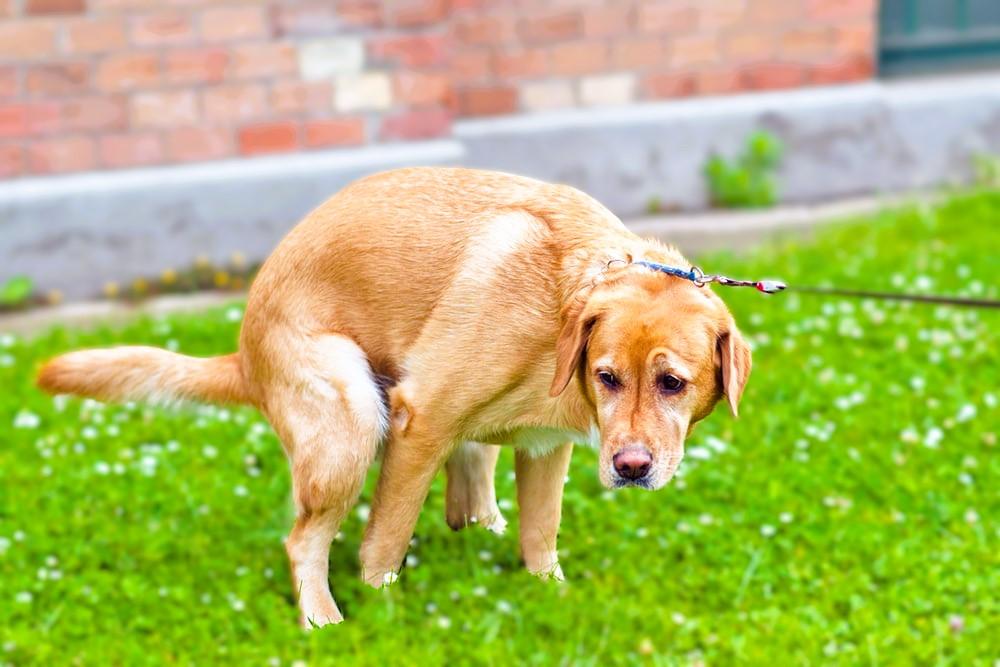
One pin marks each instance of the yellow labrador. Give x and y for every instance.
(424, 310)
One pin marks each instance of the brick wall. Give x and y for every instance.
(112, 84)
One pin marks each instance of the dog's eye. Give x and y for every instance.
(609, 380)
(669, 384)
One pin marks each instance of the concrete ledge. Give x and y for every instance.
(842, 141)
(694, 234)
(75, 233)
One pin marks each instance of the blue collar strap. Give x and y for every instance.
(699, 278)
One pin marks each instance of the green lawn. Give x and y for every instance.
(848, 517)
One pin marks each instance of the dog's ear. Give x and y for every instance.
(578, 322)
(734, 353)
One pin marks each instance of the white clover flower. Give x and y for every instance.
(767, 530)
(241, 491)
(990, 400)
(24, 597)
(4, 544)
(209, 452)
(699, 453)
(786, 517)
(971, 516)
(485, 555)
(956, 623)
(706, 519)
(444, 622)
(505, 504)
(88, 433)
(683, 527)
(234, 314)
(966, 413)
(909, 435)
(917, 383)
(363, 511)
(237, 604)
(19, 536)
(27, 420)
(479, 591)
(933, 438)
(504, 607)
(412, 561)
(965, 479)
(678, 618)
(118, 468)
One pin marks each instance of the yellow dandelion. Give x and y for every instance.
(111, 289)
(221, 278)
(168, 277)
(140, 286)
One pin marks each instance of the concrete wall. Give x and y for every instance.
(75, 232)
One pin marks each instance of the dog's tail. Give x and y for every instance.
(145, 373)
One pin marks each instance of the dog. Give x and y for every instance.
(429, 315)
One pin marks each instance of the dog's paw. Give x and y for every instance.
(490, 518)
(546, 568)
(318, 614)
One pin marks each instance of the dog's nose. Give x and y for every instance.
(633, 462)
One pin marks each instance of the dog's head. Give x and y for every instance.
(653, 354)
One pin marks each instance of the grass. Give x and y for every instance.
(848, 517)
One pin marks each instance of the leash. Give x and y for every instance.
(700, 278)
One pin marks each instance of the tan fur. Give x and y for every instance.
(422, 308)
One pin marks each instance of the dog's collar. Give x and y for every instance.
(699, 278)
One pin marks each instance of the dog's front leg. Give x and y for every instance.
(471, 494)
(409, 464)
(540, 482)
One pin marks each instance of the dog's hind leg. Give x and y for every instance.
(471, 495)
(329, 414)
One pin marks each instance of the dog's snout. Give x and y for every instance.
(633, 462)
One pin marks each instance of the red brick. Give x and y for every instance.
(410, 50)
(582, 57)
(416, 124)
(57, 79)
(198, 65)
(334, 132)
(752, 46)
(607, 21)
(550, 27)
(21, 40)
(516, 63)
(301, 97)
(639, 52)
(773, 13)
(128, 71)
(130, 150)
(223, 105)
(11, 161)
(694, 50)
(8, 82)
(412, 13)
(37, 7)
(827, 10)
(718, 81)
(664, 17)
(161, 28)
(422, 89)
(855, 39)
(62, 154)
(487, 100)
(252, 61)
(163, 108)
(105, 112)
(95, 35)
(306, 19)
(772, 76)
(484, 29)
(227, 24)
(280, 137)
(471, 65)
(842, 70)
(195, 144)
(715, 15)
(22, 120)
(664, 85)
(360, 13)
(806, 43)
